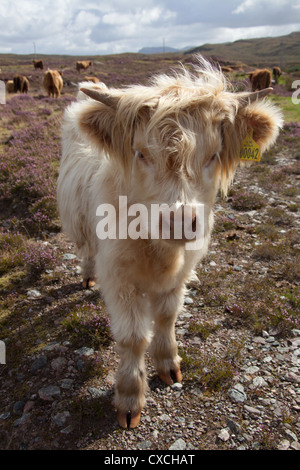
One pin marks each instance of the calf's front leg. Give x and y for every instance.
(88, 272)
(131, 383)
(131, 328)
(164, 348)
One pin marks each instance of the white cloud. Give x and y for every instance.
(140, 16)
(260, 6)
(244, 6)
(251, 32)
(84, 20)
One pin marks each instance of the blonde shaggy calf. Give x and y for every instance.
(174, 141)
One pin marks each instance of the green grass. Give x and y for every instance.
(291, 111)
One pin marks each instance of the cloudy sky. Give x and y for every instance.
(113, 26)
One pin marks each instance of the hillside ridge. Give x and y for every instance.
(284, 50)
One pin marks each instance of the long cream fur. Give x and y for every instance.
(176, 140)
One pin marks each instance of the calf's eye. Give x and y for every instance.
(215, 157)
(139, 155)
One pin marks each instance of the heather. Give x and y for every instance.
(20, 254)
(88, 323)
(29, 162)
(244, 200)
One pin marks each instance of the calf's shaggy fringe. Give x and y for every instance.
(175, 141)
(201, 94)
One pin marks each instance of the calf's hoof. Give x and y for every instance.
(172, 377)
(128, 420)
(89, 282)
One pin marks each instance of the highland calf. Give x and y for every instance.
(174, 143)
(260, 79)
(53, 83)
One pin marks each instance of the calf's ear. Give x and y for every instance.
(259, 116)
(252, 113)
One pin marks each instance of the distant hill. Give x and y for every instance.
(162, 50)
(156, 50)
(281, 50)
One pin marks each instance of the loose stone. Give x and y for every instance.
(178, 445)
(49, 393)
(237, 393)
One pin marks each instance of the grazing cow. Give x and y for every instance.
(171, 144)
(276, 73)
(53, 83)
(260, 79)
(38, 64)
(92, 79)
(226, 69)
(21, 84)
(10, 87)
(83, 65)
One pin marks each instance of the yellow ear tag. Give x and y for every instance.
(250, 149)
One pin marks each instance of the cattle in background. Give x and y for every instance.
(83, 65)
(260, 79)
(21, 84)
(92, 79)
(53, 83)
(173, 143)
(38, 64)
(276, 73)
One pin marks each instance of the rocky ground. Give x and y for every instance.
(60, 397)
(238, 334)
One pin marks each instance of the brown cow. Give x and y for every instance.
(92, 79)
(83, 65)
(53, 83)
(260, 79)
(38, 64)
(21, 84)
(276, 73)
